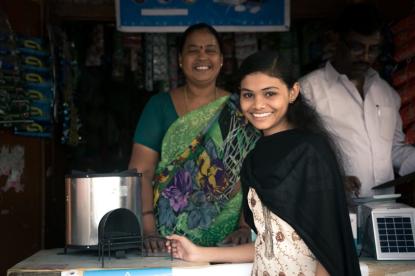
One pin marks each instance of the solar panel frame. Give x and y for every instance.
(394, 233)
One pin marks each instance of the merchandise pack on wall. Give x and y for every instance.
(26, 90)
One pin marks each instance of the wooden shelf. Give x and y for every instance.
(304, 9)
(82, 12)
(300, 9)
(308, 9)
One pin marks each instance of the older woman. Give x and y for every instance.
(189, 144)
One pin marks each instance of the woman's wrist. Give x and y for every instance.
(148, 212)
(151, 233)
(149, 226)
(204, 254)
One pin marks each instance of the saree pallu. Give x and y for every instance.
(196, 185)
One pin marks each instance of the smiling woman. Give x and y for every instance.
(292, 184)
(200, 60)
(265, 100)
(189, 144)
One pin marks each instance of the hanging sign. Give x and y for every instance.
(224, 15)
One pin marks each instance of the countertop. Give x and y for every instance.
(54, 262)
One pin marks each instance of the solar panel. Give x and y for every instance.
(394, 233)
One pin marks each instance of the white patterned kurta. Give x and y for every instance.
(279, 250)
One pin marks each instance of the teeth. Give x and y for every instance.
(202, 67)
(261, 115)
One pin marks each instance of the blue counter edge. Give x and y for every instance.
(130, 272)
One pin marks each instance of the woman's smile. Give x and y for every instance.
(202, 68)
(261, 115)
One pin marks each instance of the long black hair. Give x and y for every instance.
(300, 113)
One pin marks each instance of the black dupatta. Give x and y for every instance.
(296, 175)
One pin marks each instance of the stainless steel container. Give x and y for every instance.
(90, 196)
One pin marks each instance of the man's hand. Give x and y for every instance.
(352, 185)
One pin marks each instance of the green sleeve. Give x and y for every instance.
(156, 118)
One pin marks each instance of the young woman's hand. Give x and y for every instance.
(182, 248)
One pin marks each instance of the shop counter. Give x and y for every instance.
(54, 262)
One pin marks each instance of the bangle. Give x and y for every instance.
(147, 213)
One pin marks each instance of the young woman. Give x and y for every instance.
(292, 182)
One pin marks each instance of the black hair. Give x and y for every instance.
(300, 113)
(196, 27)
(362, 18)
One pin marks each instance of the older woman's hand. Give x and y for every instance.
(154, 243)
(240, 236)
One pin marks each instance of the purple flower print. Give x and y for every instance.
(179, 191)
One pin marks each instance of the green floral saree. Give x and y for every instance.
(196, 187)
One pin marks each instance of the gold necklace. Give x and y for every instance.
(186, 101)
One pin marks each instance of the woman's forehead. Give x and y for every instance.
(261, 79)
(201, 37)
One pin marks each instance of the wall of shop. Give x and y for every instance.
(100, 83)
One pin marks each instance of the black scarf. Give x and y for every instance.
(295, 174)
